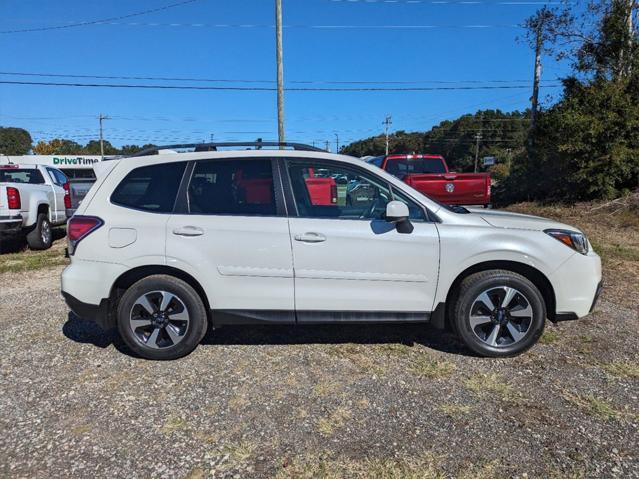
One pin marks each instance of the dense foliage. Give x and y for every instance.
(586, 146)
(14, 141)
(59, 146)
(502, 136)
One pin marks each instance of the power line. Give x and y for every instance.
(101, 21)
(294, 26)
(256, 89)
(228, 80)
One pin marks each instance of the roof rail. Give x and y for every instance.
(214, 146)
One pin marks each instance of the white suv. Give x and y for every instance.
(167, 245)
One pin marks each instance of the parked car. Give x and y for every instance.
(166, 246)
(429, 174)
(33, 199)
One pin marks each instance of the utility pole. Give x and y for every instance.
(336, 143)
(478, 137)
(327, 145)
(537, 73)
(280, 71)
(101, 118)
(388, 121)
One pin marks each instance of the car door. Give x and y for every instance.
(232, 235)
(350, 264)
(58, 213)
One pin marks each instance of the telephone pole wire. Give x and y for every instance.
(388, 121)
(101, 118)
(280, 71)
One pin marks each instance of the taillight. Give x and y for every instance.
(13, 198)
(334, 193)
(79, 227)
(67, 195)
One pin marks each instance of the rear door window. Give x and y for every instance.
(150, 188)
(232, 187)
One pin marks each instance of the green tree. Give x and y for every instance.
(14, 141)
(93, 148)
(57, 146)
(586, 146)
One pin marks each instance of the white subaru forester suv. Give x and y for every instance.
(166, 245)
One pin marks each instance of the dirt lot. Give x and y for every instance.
(373, 401)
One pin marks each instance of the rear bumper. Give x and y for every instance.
(10, 224)
(100, 314)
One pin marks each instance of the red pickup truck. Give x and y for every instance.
(429, 175)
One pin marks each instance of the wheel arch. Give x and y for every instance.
(538, 278)
(127, 279)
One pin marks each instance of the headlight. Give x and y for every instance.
(574, 240)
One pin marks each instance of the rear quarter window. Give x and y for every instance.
(150, 188)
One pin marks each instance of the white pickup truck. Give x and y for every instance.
(33, 199)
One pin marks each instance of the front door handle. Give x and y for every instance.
(188, 231)
(310, 237)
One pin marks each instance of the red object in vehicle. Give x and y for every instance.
(322, 190)
(13, 198)
(67, 195)
(429, 175)
(79, 227)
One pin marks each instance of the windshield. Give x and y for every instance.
(406, 166)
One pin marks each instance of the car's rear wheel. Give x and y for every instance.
(41, 236)
(499, 313)
(161, 317)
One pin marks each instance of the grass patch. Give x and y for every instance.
(490, 384)
(173, 424)
(31, 260)
(430, 368)
(550, 336)
(327, 425)
(594, 406)
(454, 410)
(240, 453)
(615, 251)
(328, 468)
(622, 369)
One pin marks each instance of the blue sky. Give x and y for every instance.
(465, 41)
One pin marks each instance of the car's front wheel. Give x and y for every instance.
(161, 317)
(498, 313)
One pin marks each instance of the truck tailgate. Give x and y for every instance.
(453, 188)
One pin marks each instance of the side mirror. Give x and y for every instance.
(397, 212)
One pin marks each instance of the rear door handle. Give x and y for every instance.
(188, 231)
(310, 237)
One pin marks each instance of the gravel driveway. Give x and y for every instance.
(326, 401)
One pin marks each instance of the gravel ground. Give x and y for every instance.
(332, 401)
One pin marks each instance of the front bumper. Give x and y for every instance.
(100, 314)
(577, 284)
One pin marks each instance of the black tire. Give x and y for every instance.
(189, 300)
(494, 282)
(41, 236)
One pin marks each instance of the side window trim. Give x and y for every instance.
(292, 204)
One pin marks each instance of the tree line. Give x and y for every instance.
(18, 141)
(583, 147)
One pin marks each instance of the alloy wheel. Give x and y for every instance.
(501, 316)
(159, 319)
